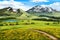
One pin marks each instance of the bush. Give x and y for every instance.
(54, 23)
(11, 24)
(17, 23)
(6, 24)
(32, 23)
(1, 25)
(47, 23)
(26, 23)
(22, 21)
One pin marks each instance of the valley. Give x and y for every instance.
(34, 24)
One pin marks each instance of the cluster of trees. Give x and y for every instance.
(51, 18)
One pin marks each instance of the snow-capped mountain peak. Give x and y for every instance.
(40, 9)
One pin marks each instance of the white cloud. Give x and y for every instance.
(55, 5)
(39, 1)
(14, 4)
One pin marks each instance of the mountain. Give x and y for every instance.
(40, 10)
(26, 15)
(6, 11)
(44, 13)
(16, 13)
(37, 12)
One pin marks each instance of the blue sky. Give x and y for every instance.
(27, 4)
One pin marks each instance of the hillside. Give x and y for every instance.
(44, 12)
(37, 12)
(18, 13)
(26, 15)
(40, 10)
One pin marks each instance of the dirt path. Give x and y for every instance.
(48, 35)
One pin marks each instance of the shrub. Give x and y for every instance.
(54, 23)
(26, 23)
(1, 25)
(11, 24)
(17, 23)
(32, 23)
(47, 23)
(6, 24)
(22, 21)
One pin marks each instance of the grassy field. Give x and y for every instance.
(21, 30)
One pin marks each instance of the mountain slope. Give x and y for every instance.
(26, 15)
(18, 13)
(40, 10)
(44, 13)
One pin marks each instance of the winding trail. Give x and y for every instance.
(48, 35)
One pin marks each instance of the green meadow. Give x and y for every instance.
(21, 30)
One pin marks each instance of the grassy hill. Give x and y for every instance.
(25, 15)
(10, 13)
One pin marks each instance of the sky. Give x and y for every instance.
(27, 4)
